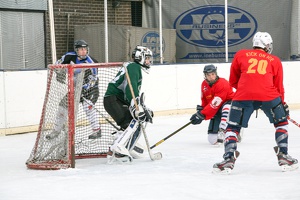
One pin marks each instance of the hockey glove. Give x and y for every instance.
(148, 112)
(199, 108)
(286, 108)
(92, 79)
(143, 114)
(197, 118)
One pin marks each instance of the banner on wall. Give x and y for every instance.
(200, 26)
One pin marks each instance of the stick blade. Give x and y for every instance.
(156, 156)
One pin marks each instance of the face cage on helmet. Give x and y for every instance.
(150, 58)
(211, 82)
(87, 52)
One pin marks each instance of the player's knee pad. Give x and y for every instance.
(212, 138)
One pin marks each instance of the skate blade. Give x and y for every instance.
(225, 171)
(286, 168)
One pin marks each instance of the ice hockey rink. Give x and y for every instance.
(185, 171)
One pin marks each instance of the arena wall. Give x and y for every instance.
(169, 89)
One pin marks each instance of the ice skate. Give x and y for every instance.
(97, 134)
(286, 162)
(227, 165)
(116, 158)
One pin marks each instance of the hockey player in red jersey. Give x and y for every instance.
(257, 76)
(216, 95)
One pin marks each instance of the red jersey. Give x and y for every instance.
(256, 75)
(213, 97)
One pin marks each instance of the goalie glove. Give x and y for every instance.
(91, 82)
(143, 114)
(148, 112)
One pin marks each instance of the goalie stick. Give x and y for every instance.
(155, 156)
(161, 141)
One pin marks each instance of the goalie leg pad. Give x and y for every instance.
(138, 151)
(123, 139)
(134, 138)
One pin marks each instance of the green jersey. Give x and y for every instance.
(119, 85)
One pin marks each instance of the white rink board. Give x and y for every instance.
(23, 97)
(167, 87)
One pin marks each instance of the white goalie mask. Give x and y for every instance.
(264, 41)
(143, 56)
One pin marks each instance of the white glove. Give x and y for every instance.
(143, 114)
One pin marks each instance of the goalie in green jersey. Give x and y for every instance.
(119, 104)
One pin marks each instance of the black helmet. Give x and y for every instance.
(209, 69)
(81, 43)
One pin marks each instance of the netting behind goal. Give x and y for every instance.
(65, 125)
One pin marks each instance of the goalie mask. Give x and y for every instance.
(81, 44)
(143, 56)
(263, 40)
(208, 71)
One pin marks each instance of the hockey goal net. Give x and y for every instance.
(65, 117)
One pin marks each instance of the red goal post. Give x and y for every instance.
(67, 118)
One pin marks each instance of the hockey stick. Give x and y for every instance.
(293, 121)
(155, 156)
(101, 114)
(161, 141)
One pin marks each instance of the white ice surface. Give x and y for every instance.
(185, 172)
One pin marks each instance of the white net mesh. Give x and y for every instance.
(56, 146)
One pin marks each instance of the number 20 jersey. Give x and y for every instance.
(256, 75)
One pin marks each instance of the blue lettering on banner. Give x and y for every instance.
(209, 55)
(151, 40)
(204, 26)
